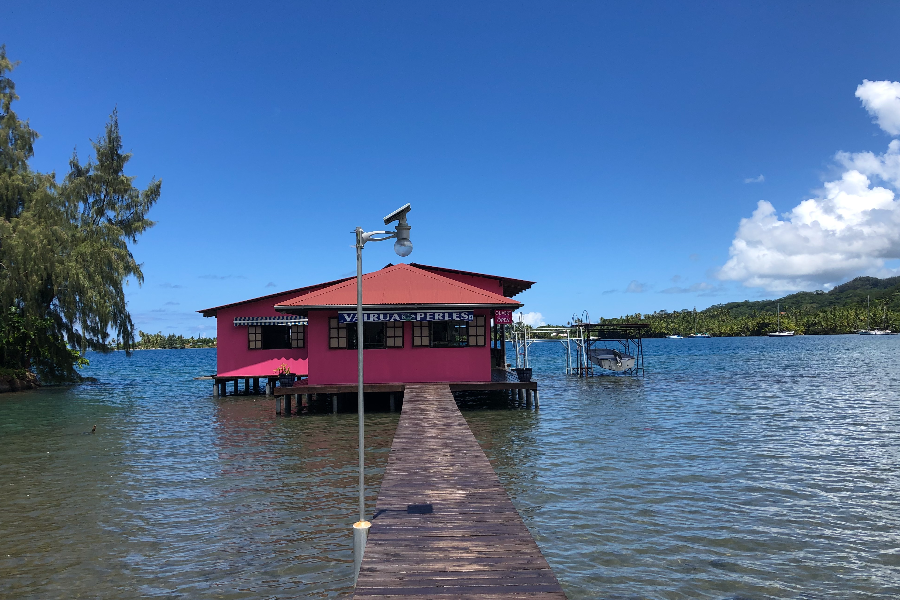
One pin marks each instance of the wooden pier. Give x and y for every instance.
(443, 524)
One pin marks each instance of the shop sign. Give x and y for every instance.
(503, 317)
(380, 317)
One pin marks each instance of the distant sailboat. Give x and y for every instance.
(780, 333)
(696, 334)
(875, 331)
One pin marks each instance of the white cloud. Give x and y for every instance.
(532, 319)
(850, 227)
(693, 288)
(882, 100)
(636, 287)
(757, 179)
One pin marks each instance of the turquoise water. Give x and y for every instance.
(737, 468)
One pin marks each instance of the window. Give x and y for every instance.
(270, 337)
(394, 334)
(421, 333)
(449, 334)
(343, 335)
(476, 332)
(337, 334)
(298, 336)
(254, 337)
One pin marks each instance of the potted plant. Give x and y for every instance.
(285, 377)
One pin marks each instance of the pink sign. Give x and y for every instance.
(503, 317)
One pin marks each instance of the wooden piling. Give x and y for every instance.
(537, 402)
(393, 406)
(527, 398)
(288, 399)
(256, 385)
(334, 404)
(215, 389)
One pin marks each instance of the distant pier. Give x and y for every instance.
(443, 524)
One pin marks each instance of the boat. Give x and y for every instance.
(780, 333)
(674, 337)
(696, 334)
(613, 360)
(875, 331)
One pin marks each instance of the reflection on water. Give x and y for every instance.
(736, 468)
(753, 468)
(177, 494)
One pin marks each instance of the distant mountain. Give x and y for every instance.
(847, 294)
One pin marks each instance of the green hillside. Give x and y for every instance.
(840, 310)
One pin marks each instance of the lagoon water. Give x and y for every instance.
(737, 468)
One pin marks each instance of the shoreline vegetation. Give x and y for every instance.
(863, 303)
(159, 341)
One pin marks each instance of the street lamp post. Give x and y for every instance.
(402, 247)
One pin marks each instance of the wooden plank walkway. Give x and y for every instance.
(444, 526)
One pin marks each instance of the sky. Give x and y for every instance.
(627, 157)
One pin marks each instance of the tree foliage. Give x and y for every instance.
(64, 247)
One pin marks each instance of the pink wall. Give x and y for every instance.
(233, 356)
(393, 365)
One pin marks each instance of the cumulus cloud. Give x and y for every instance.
(882, 100)
(757, 179)
(532, 319)
(850, 227)
(636, 287)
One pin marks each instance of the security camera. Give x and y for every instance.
(397, 215)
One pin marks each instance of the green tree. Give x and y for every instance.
(64, 248)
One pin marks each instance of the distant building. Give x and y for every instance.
(421, 324)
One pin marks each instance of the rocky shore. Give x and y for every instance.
(18, 383)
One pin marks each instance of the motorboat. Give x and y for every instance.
(674, 337)
(876, 332)
(613, 360)
(699, 335)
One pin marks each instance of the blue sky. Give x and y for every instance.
(608, 151)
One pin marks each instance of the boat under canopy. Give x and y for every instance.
(613, 360)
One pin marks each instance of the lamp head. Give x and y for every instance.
(403, 247)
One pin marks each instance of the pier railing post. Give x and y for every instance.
(360, 534)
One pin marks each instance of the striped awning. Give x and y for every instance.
(282, 320)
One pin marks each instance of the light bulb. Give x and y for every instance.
(403, 247)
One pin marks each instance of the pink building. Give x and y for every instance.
(421, 324)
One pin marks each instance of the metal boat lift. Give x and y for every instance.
(579, 339)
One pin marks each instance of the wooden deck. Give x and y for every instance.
(456, 386)
(443, 524)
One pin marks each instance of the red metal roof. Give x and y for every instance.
(397, 286)
(510, 286)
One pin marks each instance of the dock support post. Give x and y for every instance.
(215, 389)
(537, 402)
(223, 389)
(393, 406)
(360, 533)
(334, 404)
(288, 398)
(528, 399)
(256, 385)
(521, 395)
(246, 385)
(269, 387)
(304, 403)
(237, 386)
(278, 404)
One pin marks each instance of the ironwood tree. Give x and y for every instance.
(65, 253)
